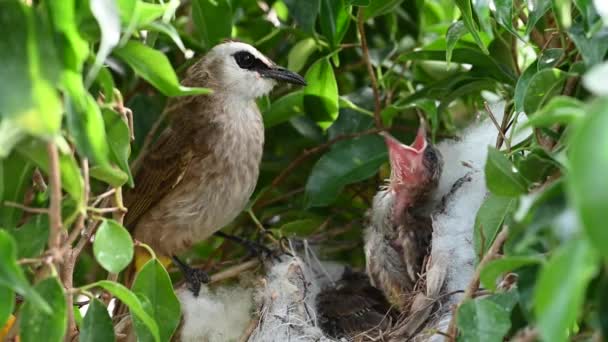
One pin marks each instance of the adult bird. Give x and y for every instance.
(203, 168)
(399, 234)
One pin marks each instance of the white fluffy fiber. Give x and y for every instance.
(218, 315)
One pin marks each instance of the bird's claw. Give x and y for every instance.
(194, 277)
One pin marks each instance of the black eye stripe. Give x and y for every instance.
(246, 60)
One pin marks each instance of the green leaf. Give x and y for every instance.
(37, 325)
(469, 22)
(321, 94)
(541, 7)
(335, 19)
(11, 275)
(347, 162)
(7, 304)
(592, 48)
(213, 20)
(155, 68)
(108, 18)
(522, 86)
(542, 86)
(119, 140)
(495, 268)
(300, 227)
(304, 13)
(73, 49)
(71, 180)
(587, 181)
(113, 247)
(486, 319)
(560, 109)
(31, 237)
(455, 32)
(487, 65)
(502, 177)
(26, 92)
(15, 178)
(549, 58)
(153, 285)
(563, 12)
(97, 324)
(504, 15)
(84, 120)
(558, 299)
(130, 300)
(482, 10)
(490, 218)
(284, 109)
(358, 2)
(299, 54)
(380, 7)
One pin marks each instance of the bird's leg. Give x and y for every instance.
(253, 248)
(194, 277)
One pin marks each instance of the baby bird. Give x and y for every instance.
(399, 233)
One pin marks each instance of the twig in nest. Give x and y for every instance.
(474, 284)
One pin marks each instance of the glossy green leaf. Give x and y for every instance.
(587, 183)
(544, 85)
(71, 180)
(154, 67)
(302, 227)
(482, 10)
(549, 58)
(559, 110)
(113, 247)
(335, 19)
(153, 285)
(130, 300)
(119, 140)
(111, 175)
(37, 325)
(495, 268)
(32, 236)
(563, 12)
(321, 94)
(347, 162)
(7, 303)
(558, 299)
(284, 109)
(73, 48)
(489, 220)
(502, 177)
(212, 20)
(469, 22)
(84, 120)
(486, 319)
(97, 324)
(522, 86)
(108, 17)
(15, 177)
(304, 13)
(299, 54)
(11, 275)
(380, 7)
(593, 48)
(26, 92)
(541, 7)
(455, 32)
(504, 15)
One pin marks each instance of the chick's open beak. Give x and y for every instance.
(406, 161)
(281, 74)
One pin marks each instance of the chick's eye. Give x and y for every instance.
(244, 59)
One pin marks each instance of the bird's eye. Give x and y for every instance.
(244, 59)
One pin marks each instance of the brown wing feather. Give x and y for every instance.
(161, 171)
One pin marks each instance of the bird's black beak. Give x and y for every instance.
(281, 74)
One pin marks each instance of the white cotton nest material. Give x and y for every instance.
(287, 300)
(217, 315)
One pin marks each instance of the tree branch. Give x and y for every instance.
(370, 69)
(55, 199)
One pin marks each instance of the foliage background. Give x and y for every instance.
(83, 89)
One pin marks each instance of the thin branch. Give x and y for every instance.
(26, 208)
(498, 127)
(234, 270)
(474, 283)
(55, 198)
(370, 69)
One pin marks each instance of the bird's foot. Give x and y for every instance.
(253, 248)
(194, 277)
